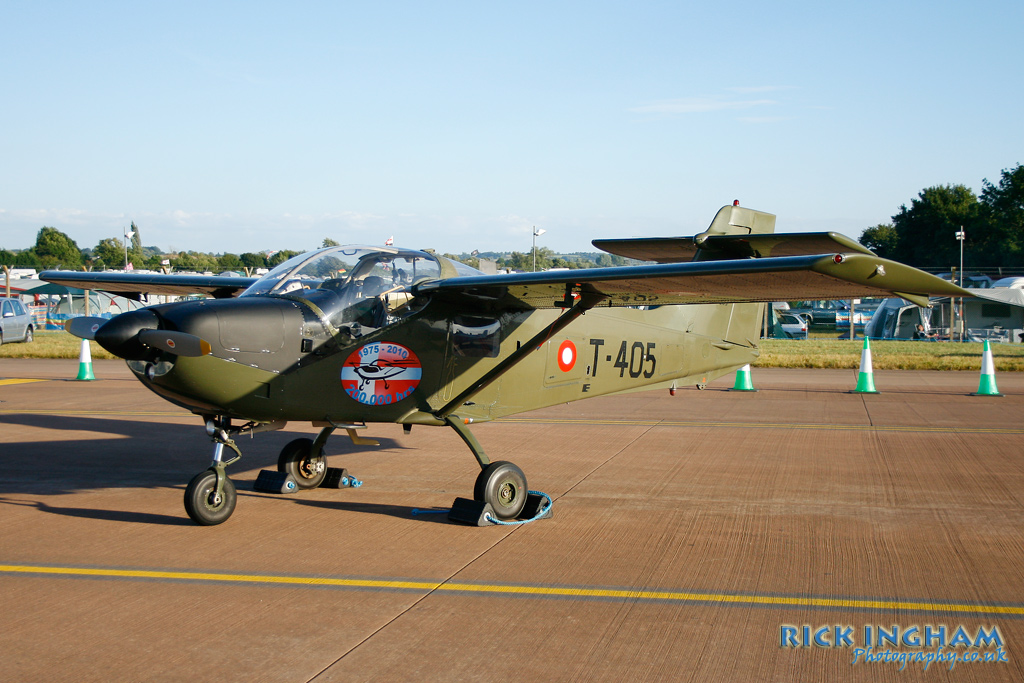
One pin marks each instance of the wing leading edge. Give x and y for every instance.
(783, 278)
(132, 285)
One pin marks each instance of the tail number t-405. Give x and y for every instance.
(636, 358)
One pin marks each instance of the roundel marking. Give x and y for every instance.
(381, 373)
(566, 356)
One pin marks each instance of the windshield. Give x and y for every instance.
(355, 287)
(336, 267)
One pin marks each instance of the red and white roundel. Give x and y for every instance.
(381, 373)
(566, 356)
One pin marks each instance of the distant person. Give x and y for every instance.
(920, 333)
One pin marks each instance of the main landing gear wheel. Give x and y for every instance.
(503, 485)
(297, 460)
(203, 504)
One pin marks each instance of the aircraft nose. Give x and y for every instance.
(120, 336)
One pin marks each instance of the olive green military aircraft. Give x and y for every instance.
(345, 336)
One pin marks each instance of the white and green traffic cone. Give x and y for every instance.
(85, 362)
(743, 382)
(987, 384)
(866, 378)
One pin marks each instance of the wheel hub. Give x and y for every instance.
(507, 493)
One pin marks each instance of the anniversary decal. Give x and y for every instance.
(380, 373)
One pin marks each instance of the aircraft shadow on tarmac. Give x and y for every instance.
(103, 515)
(138, 454)
(132, 454)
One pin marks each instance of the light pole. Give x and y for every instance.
(536, 233)
(960, 236)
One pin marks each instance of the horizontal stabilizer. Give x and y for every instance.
(720, 247)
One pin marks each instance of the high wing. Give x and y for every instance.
(133, 285)
(778, 278)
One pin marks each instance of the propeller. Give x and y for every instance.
(84, 327)
(178, 343)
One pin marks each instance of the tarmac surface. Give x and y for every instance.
(688, 533)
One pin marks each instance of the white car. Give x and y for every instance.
(15, 321)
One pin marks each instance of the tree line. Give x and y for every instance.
(55, 249)
(924, 233)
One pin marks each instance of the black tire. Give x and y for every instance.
(503, 485)
(199, 499)
(296, 459)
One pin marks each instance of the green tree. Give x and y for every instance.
(927, 227)
(54, 248)
(611, 261)
(251, 260)
(136, 255)
(6, 257)
(27, 259)
(881, 239)
(110, 252)
(328, 242)
(194, 261)
(280, 257)
(229, 262)
(1001, 242)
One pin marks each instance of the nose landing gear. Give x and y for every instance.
(210, 497)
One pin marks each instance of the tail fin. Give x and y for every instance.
(738, 220)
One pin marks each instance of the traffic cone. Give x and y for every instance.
(987, 383)
(85, 362)
(743, 382)
(866, 378)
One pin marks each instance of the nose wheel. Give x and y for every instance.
(207, 503)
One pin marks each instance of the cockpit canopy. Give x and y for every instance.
(367, 286)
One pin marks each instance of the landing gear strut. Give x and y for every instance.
(210, 497)
(500, 484)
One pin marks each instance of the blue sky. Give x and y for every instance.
(459, 126)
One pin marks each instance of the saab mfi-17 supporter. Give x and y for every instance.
(345, 336)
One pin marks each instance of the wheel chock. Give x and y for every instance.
(534, 505)
(339, 478)
(471, 512)
(269, 481)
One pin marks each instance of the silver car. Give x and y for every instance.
(793, 324)
(15, 321)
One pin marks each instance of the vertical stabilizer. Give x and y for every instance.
(737, 220)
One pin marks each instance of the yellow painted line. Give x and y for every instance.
(4, 382)
(568, 592)
(768, 425)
